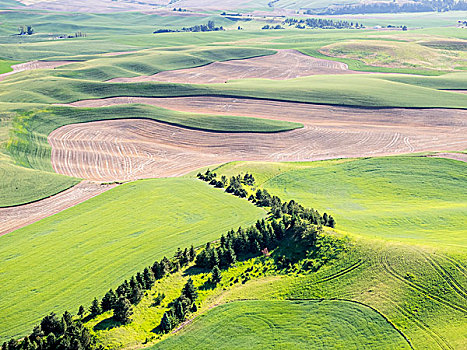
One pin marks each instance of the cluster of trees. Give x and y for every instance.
(267, 26)
(180, 308)
(180, 9)
(209, 27)
(388, 7)
(234, 185)
(262, 198)
(26, 30)
(55, 333)
(321, 23)
(241, 243)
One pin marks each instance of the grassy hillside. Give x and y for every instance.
(411, 199)
(5, 65)
(286, 324)
(351, 90)
(19, 185)
(66, 260)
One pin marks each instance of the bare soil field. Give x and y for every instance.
(13, 218)
(131, 149)
(35, 65)
(285, 64)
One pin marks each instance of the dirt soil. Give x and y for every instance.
(285, 64)
(132, 149)
(13, 218)
(34, 65)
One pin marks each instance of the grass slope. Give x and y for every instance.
(19, 185)
(66, 260)
(288, 325)
(5, 65)
(414, 199)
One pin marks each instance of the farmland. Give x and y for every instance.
(417, 199)
(288, 324)
(110, 125)
(105, 250)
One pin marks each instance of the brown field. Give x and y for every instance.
(132, 149)
(285, 64)
(34, 65)
(13, 218)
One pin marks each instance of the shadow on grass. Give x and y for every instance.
(106, 324)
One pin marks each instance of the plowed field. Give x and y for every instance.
(34, 65)
(131, 149)
(13, 218)
(286, 64)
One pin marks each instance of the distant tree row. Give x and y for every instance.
(26, 30)
(393, 7)
(267, 26)
(209, 27)
(321, 23)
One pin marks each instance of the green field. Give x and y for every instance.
(19, 185)
(5, 65)
(412, 199)
(288, 325)
(66, 260)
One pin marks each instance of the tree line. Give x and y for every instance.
(322, 23)
(209, 27)
(393, 7)
(288, 220)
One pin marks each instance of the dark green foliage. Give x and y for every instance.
(216, 275)
(158, 299)
(51, 324)
(109, 300)
(95, 308)
(122, 311)
(54, 334)
(189, 291)
(81, 311)
(166, 323)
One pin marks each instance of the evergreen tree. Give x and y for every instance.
(122, 311)
(192, 253)
(148, 278)
(81, 311)
(189, 291)
(137, 295)
(166, 323)
(67, 319)
(95, 308)
(216, 275)
(109, 300)
(50, 324)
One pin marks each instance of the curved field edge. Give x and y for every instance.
(365, 90)
(19, 185)
(405, 198)
(309, 324)
(59, 263)
(29, 147)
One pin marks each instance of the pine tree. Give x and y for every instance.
(166, 323)
(192, 253)
(148, 278)
(109, 300)
(189, 291)
(81, 311)
(216, 275)
(95, 308)
(137, 295)
(67, 319)
(122, 311)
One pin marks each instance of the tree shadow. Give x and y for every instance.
(106, 324)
